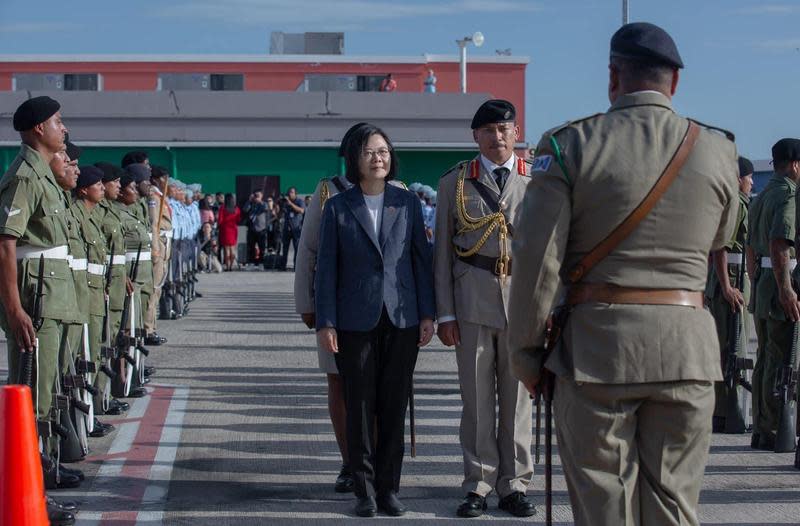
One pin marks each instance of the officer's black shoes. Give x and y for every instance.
(763, 441)
(344, 482)
(473, 505)
(797, 456)
(718, 424)
(65, 481)
(101, 429)
(366, 507)
(390, 504)
(149, 370)
(58, 516)
(198, 294)
(76, 472)
(517, 504)
(137, 392)
(64, 505)
(154, 339)
(117, 407)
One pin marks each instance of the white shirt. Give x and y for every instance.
(375, 208)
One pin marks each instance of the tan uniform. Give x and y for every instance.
(634, 394)
(161, 253)
(496, 448)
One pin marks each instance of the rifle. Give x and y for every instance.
(26, 371)
(122, 341)
(735, 366)
(107, 351)
(785, 392)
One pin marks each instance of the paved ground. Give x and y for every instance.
(235, 432)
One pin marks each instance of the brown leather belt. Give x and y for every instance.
(486, 263)
(605, 293)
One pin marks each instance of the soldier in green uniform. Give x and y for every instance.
(141, 210)
(723, 297)
(771, 258)
(89, 193)
(32, 225)
(638, 355)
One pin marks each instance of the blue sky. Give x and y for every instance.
(742, 56)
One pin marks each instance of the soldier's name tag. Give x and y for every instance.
(542, 163)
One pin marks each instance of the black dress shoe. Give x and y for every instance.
(366, 507)
(64, 505)
(137, 393)
(119, 403)
(59, 517)
(67, 481)
(517, 504)
(101, 429)
(391, 505)
(473, 505)
(766, 441)
(344, 482)
(154, 339)
(149, 370)
(78, 473)
(198, 294)
(718, 424)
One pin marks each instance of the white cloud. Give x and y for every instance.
(769, 9)
(327, 14)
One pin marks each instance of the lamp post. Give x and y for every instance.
(625, 12)
(477, 39)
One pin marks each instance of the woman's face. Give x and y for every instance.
(375, 160)
(93, 193)
(128, 194)
(112, 189)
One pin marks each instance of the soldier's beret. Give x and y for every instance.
(34, 111)
(494, 110)
(139, 171)
(745, 167)
(786, 150)
(645, 42)
(89, 175)
(126, 179)
(157, 172)
(110, 172)
(73, 150)
(347, 135)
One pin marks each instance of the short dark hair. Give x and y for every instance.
(355, 145)
(649, 74)
(157, 172)
(134, 157)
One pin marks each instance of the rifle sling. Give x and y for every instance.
(629, 224)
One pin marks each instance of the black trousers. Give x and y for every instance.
(293, 235)
(377, 367)
(256, 239)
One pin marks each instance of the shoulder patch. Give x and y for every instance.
(151, 203)
(542, 163)
(455, 167)
(729, 135)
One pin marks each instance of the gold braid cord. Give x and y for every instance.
(489, 222)
(324, 194)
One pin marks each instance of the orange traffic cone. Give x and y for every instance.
(22, 500)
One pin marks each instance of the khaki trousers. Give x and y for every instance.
(159, 271)
(634, 454)
(496, 448)
(775, 339)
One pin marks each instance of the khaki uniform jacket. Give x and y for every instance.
(77, 251)
(153, 208)
(109, 218)
(587, 177)
(469, 293)
(33, 210)
(96, 251)
(137, 234)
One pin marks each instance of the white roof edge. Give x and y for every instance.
(266, 59)
(267, 144)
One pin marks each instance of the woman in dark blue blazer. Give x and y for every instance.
(375, 308)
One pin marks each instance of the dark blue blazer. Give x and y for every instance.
(358, 273)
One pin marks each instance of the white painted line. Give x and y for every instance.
(161, 470)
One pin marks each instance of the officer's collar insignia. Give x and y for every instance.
(474, 169)
(522, 168)
(542, 163)
(11, 212)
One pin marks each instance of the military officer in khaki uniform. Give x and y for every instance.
(723, 298)
(160, 215)
(476, 215)
(32, 225)
(771, 256)
(638, 355)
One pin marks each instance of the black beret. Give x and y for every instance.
(34, 111)
(139, 171)
(73, 151)
(646, 42)
(110, 172)
(126, 179)
(156, 172)
(494, 110)
(786, 150)
(745, 167)
(89, 175)
(347, 135)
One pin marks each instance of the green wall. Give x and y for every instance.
(216, 168)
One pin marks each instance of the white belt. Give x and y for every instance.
(144, 256)
(31, 252)
(150, 235)
(734, 258)
(167, 233)
(97, 270)
(116, 260)
(78, 264)
(767, 263)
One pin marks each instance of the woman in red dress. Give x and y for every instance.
(228, 225)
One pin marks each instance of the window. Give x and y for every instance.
(227, 82)
(333, 82)
(57, 82)
(81, 82)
